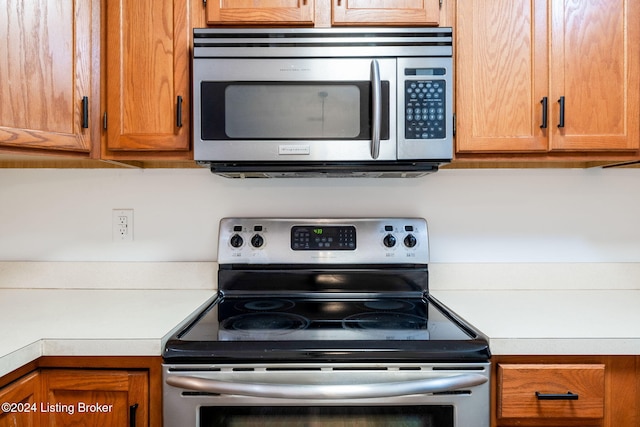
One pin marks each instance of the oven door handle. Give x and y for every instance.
(376, 108)
(329, 391)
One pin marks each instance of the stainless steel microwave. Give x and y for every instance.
(323, 102)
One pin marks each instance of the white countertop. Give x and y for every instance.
(66, 309)
(41, 322)
(552, 322)
(95, 322)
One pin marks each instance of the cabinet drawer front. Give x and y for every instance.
(564, 391)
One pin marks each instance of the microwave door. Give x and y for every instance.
(308, 109)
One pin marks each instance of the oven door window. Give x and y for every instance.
(289, 110)
(327, 416)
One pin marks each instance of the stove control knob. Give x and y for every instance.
(389, 240)
(236, 241)
(410, 241)
(257, 241)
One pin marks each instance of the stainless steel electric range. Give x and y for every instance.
(325, 322)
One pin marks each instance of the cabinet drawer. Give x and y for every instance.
(550, 391)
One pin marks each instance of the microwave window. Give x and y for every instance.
(292, 111)
(289, 110)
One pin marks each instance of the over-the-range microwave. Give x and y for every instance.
(323, 102)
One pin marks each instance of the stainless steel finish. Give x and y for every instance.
(330, 391)
(254, 375)
(324, 174)
(370, 233)
(470, 400)
(419, 148)
(318, 43)
(333, 55)
(376, 111)
(283, 70)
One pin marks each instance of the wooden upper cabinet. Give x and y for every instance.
(595, 67)
(49, 64)
(516, 57)
(502, 75)
(286, 12)
(313, 12)
(147, 79)
(386, 12)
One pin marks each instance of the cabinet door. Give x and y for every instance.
(293, 12)
(49, 63)
(502, 69)
(562, 391)
(394, 12)
(595, 67)
(147, 81)
(95, 398)
(25, 394)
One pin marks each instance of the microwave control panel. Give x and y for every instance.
(425, 109)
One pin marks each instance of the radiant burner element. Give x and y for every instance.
(389, 305)
(272, 322)
(267, 305)
(385, 321)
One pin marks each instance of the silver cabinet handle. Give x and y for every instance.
(376, 109)
(329, 391)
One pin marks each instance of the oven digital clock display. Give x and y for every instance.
(323, 238)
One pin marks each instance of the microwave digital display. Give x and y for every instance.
(425, 71)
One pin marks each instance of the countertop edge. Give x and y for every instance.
(563, 322)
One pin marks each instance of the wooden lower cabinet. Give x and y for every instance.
(84, 391)
(21, 396)
(552, 391)
(94, 398)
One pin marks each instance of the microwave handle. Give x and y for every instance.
(376, 108)
(329, 391)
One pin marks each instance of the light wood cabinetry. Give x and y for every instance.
(547, 76)
(147, 80)
(24, 397)
(85, 391)
(381, 12)
(323, 12)
(95, 397)
(49, 76)
(540, 391)
(282, 12)
(585, 391)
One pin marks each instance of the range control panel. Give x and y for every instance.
(323, 241)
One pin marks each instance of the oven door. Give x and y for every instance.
(304, 109)
(297, 395)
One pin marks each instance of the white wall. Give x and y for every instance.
(531, 215)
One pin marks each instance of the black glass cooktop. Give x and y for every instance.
(319, 327)
(307, 318)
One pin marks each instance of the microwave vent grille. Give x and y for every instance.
(234, 42)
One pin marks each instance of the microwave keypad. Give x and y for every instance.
(424, 109)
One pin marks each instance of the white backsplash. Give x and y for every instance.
(474, 216)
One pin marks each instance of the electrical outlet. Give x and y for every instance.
(122, 225)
